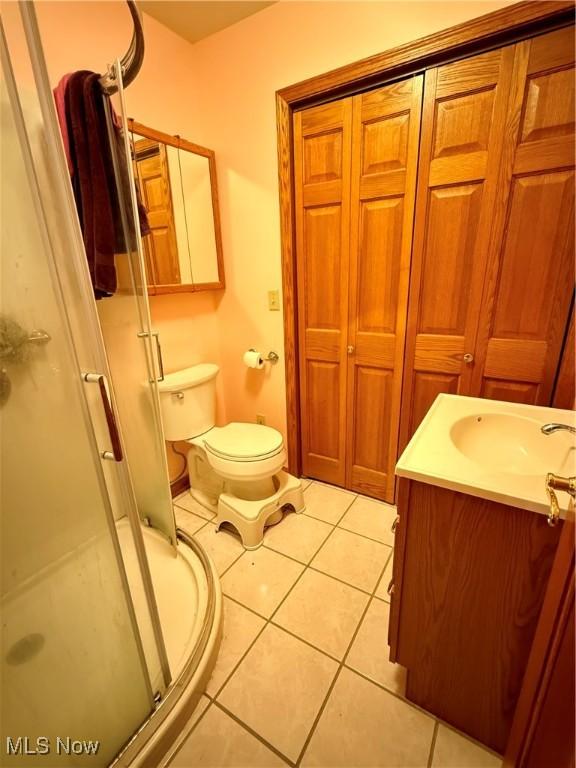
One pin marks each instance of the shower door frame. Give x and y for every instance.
(76, 253)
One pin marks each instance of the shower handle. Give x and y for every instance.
(156, 334)
(116, 453)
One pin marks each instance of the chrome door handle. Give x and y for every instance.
(156, 334)
(468, 357)
(116, 453)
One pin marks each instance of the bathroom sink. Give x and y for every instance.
(491, 449)
(511, 443)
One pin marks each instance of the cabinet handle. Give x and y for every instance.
(391, 588)
(468, 357)
(350, 349)
(395, 524)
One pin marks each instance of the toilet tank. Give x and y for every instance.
(188, 401)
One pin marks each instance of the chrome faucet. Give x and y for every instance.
(547, 429)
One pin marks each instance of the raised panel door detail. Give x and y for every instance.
(379, 264)
(322, 267)
(373, 397)
(549, 108)
(453, 216)
(385, 144)
(427, 387)
(510, 391)
(323, 390)
(322, 149)
(323, 157)
(530, 273)
(463, 123)
(539, 223)
(385, 137)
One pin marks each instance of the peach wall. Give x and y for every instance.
(220, 93)
(238, 70)
(88, 35)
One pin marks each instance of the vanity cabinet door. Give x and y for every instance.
(322, 144)
(470, 577)
(530, 281)
(463, 126)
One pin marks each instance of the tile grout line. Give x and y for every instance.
(339, 670)
(254, 733)
(269, 621)
(341, 663)
(188, 733)
(312, 517)
(433, 744)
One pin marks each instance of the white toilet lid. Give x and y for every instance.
(240, 441)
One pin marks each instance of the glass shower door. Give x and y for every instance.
(74, 682)
(134, 352)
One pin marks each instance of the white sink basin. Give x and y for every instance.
(510, 443)
(491, 449)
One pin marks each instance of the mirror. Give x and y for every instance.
(177, 184)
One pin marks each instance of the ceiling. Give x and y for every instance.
(195, 20)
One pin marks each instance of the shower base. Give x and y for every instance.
(189, 600)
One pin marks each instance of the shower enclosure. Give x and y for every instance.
(91, 658)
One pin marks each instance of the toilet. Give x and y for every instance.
(235, 470)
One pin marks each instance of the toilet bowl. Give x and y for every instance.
(234, 470)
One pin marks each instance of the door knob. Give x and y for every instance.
(350, 349)
(468, 357)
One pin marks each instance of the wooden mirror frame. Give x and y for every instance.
(179, 143)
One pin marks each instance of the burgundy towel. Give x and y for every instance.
(60, 99)
(91, 160)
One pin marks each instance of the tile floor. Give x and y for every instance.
(303, 677)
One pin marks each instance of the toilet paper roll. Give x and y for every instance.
(252, 359)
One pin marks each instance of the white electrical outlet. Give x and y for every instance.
(260, 419)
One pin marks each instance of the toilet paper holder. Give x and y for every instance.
(271, 357)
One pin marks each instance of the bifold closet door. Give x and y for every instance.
(385, 136)
(530, 281)
(322, 145)
(463, 128)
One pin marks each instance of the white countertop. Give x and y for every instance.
(491, 449)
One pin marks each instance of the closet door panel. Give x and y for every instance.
(465, 106)
(373, 397)
(511, 391)
(386, 126)
(324, 418)
(448, 266)
(427, 387)
(322, 138)
(531, 277)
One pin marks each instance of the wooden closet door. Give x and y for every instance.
(463, 125)
(529, 289)
(322, 142)
(385, 136)
(160, 248)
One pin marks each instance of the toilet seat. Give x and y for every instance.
(243, 442)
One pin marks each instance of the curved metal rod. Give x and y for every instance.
(132, 60)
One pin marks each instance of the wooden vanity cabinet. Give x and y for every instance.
(468, 584)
